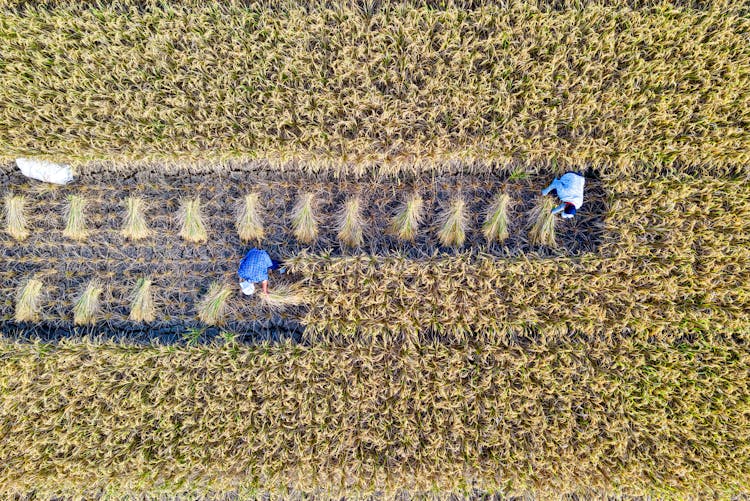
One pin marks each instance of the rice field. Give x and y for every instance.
(394, 86)
(639, 418)
(436, 332)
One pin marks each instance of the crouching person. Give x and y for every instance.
(569, 189)
(254, 269)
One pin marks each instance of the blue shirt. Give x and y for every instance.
(254, 266)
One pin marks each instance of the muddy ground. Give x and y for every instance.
(182, 271)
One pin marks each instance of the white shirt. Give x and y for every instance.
(570, 188)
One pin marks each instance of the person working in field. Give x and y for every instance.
(569, 189)
(254, 269)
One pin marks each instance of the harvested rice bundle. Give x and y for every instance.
(495, 227)
(350, 223)
(542, 223)
(212, 308)
(191, 221)
(249, 219)
(75, 227)
(88, 305)
(27, 301)
(454, 222)
(134, 222)
(304, 220)
(15, 217)
(142, 302)
(282, 296)
(405, 223)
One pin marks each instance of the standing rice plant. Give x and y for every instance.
(542, 223)
(88, 305)
(15, 217)
(27, 301)
(495, 227)
(249, 220)
(134, 223)
(191, 221)
(304, 221)
(213, 306)
(142, 302)
(281, 297)
(405, 223)
(454, 222)
(75, 226)
(350, 223)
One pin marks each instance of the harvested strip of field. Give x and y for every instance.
(632, 418)
(380, 199)
(181, 271)
(396, 86)
(674, 253)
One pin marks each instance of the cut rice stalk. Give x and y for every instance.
(304, 221)
(495, 227)
(134, 223)
(282, 296)
(88, 305)
(212, 308)
(455, 221)
(350, 223)
(27, 301)
(406, 222)
(15, 217)
(142, 302)
(249, 220)
(75, 227)
(542, 223)
(191, 221)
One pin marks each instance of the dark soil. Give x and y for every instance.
(182, 272)
(187, 332)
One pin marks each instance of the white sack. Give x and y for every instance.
(45, 171)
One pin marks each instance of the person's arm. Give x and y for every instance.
(549, 188)
(558, 209)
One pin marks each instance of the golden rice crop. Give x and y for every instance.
(523, 420)
(249, 219)
(405, 223)
(212, 308)
(350, 223)
(192, 228)
(134, 225)
(142, 307)
(675, 252)
(75, 226)
(15, 217)
(304, 219)
(542, 223)
(409, 87)
(495, 226)
(394, 296)
(88, 304)
(27, 301)
(454, 223)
